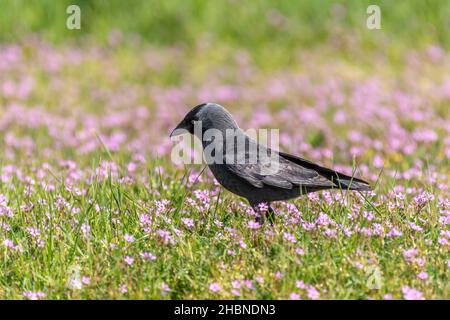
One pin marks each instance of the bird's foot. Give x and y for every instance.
(259, 219)
(267, 213)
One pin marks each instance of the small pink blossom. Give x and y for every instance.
(165, 287)
(253, 224)
(129, 260)
(215, 287)
(123, 288)
(34, 295)
(294, 296)
(422, 275)
(148, 256)
(412, 294)
(188, 222)
(313, 293)
(128, 238)
(86, 280)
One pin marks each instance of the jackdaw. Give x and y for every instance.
(253, 171)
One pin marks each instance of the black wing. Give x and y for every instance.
(278, 172)
(339, 179)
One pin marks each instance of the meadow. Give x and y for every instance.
(92, 207)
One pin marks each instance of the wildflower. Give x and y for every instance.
(289, 237)
(129, 260)
(86, 230)
(166, 237)
(243, 244)
(330, 233)
(294, 296)
(165, 287)
(4, 209)
(253, 224)
(148, 256)
(249, 284)
(215, 287)
(323, 219)
(236, 284)
(410, 254)
(412, 294)
(394, 233)
(128, 238)
(34, 295)
(123, 288)
(422, 275)
(131, 167)
(263, 207)
(313, 293)
(86, 280)
(235, 292)
(188, 222)
(76, 284)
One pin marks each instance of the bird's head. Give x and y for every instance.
(206, 116)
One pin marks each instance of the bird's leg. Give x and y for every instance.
(259, 217)
(270, 215)
(262, 213)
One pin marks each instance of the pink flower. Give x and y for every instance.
(215, 287)
(236, 284)
(128, 238)
(412, 294)
(86, 280)
(263, 207)
(410, 254)
(129, 260)
(313, 293)
(294, 296)
(165, 287)
(148, 256)
(188, 222)
(34, 295)
(259, 279)
(289, 237)
(249, 284)
(235, 292)
(123, 288)
(422, 275)
(253, 224)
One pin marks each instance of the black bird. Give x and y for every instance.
(259, 174)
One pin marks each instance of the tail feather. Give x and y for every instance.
(341, 180)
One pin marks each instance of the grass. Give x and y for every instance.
(199, 256)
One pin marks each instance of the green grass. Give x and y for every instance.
(199, 256)
(297, 24)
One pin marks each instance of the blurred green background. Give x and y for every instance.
(256, 25)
